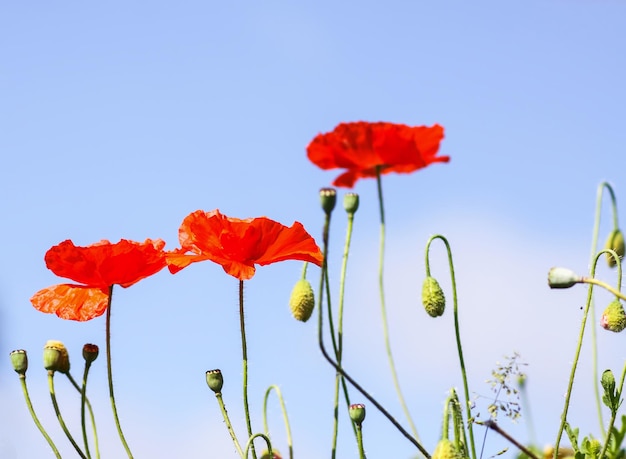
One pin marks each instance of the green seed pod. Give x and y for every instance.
(445, 449)
(615, 242)
(302, 300)
(562, 278)
(215, 380)
(357, 413)
(328, 197)
(351, 202)
(433, 298)
(19, 359)
(55, 357)
(90, 352)
(614, 318)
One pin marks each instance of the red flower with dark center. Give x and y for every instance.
(362, 147)
(238, 245)
(98, 266)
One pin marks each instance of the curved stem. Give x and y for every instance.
(110, 375)
(339, 369)
(283, 408)
(85, 401)
(229, 426)
(570, 384)
(31, 410)
(57, 411)
(244, 355)
(383, 307)
(250, 444)
(458, 336)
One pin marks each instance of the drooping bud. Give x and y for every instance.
(433, 298)
(614, 318)
(328, 197)
(351, 203)
(445, 449)
(302, 300)
(562, 278)
(90, 352)
(215, 380)
(55, 357)
(19, 359)
(357, 413)
(615, 242)
(275, 454)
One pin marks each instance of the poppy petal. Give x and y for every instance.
(71, 302)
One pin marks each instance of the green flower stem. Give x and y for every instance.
(229, 426)
(496, 428)
(528, 415)
(85, 401)
(244, 353)
(592, 320)
(383, 308)
(283, 408)
(59, 417)
(613, 416)
(359, 440)
(339, 369)
(457, 334)
(110, 375)
(250, 444)
(339, 353)
(29, 404)
(570, 384)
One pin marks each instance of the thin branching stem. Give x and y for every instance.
(57, 411)
(283, 408)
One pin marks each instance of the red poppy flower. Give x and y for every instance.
(361, 147)
(238, 245)
(98, 266)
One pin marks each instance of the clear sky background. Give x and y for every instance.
(120, 118)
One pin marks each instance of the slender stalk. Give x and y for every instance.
(250, 444)
(60, 417)
(110, 375)
(229, 426)
(359, 440)
(495, 427)
(283, 408)
(329, 359)
(570, 384)
(85, 401)
(244, 354)
(604, 285)
(613, 416)
(383, 308)
(29, 404)
(457, 333)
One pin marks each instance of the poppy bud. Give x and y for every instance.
(433, 298)
(55, 357)
(90, 352)
(302, 300)
(275, 455)
(615, 242)
(562, 278)
(215, 380)
(357, 413)
(613, 318)
(351, 202)
(19, 359)
(328, 196)
(445, 449)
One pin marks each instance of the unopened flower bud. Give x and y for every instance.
(608, 381)
(328, 197)
(615, 242)
(215, 380)
(90, 352)
(445, 449)
(55, 357)
(19, 359)
(357, 413)
(593, 448)
(562, 278)
(433, 298)
(351, 202)
(302, 300)
(614, 318)
(275, 455)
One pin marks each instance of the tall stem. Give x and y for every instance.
(383, 309)
(110, 375)
(244, 355)
(59, 417)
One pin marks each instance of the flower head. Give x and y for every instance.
(98, 266)
(362, 147)
(238, 245)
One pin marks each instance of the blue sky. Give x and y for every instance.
(119, 119)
